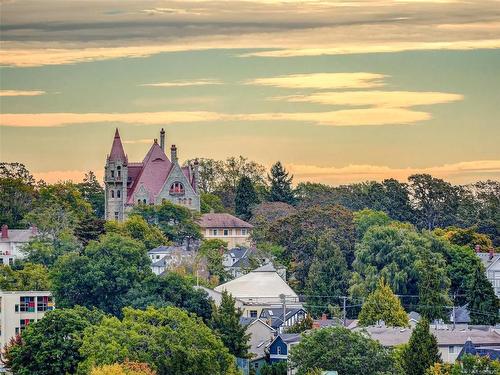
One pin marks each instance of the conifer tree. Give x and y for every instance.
(226, 323)
(383, 304)
(483, 304)
(281, 185)
(422, 351)
(246, 198)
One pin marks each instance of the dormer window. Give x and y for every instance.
(177, 188)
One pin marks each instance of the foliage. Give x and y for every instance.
(301, 326)
(177, 223)
(46, 251)
(276, 368)
(468, 365)
(89, 229)
(92, 191)
(211, 202)
(281, 185)
(168, 339)
(465, 237)
(383, 305)
(102, 275)
(226, 324)
(422, 350)
(265, 214)
(51, 345)
(138, 229)
(246, 198)
(367, 218)
(126, 368)
(29, 277)
(349, 353)
(213, 250)
(483, 304)
(169, 289)
(328, 276)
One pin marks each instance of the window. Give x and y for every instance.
(119, 171)
(112, 193)
(11, 261)
(190, 201)
(16, 308)
(118, 193)
(451, 349)
(226, 232)
(215, 232)
(278, 350)
(243, 232)
(17, 330)
(112, 174)
(176, 188)
(144, 201)
(44, 303)
(138, 201)
(253, 313)
(116, 215)
(25, 322)
(27, 304)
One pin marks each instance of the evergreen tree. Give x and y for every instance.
(384, 305)
(246, 198)
(483, 303)
(226, 323)
(422, 350)
(328, 275)
(281, 185)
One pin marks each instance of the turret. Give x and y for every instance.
(115, 180)
(162, 139)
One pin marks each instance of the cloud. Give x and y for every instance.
(348, 117)
(322, 80)
(387, 99)
(21, 92)
(198, 82)
(461, 172)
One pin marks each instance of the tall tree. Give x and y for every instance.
(365, 219)
(93, 193)
(137, 228)
(245, 199)
(281, 185)
(328, 276)
(483, 304)
(226, 323)
(213, 251)
(422, 350)
(51, 345)
(383, 305)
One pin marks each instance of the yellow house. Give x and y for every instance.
(226, 227)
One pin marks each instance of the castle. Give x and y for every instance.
(152, 181)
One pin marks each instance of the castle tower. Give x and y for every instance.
(115, 181)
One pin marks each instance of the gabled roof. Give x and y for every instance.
(156, 167)
(288, 338)
(165, 249)
(19, 235)
(213, 220)
(488, 260)
(117, 152)
(274, 316)
(490, 352)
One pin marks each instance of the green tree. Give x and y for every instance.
(366, 219)
(213, 251)
(349, 353)
(168, 339)
(169, 289)
(245, 199)
(138, 229)
(102, 275)
(483, 304)
(264, 215)
(328, 276)
(226, 323)
(422, 350)
(51, 345)
(276, 368)
(281, 185)
(93, 193)
(383, 305)
(211, 203)
(29, 277)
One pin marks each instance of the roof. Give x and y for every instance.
(165, 249)
(117, 152)
(487, 259)
(413, 315)
(490, 352)
(244, 321)
(274, 316)
(261, 284)
(461, 315)
(391, 336)
(19, 235)
(288, 338)
(214, 220)
(323, 323)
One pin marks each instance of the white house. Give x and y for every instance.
(12, 241)
(19, 309)
(164, 258)
(491, 264)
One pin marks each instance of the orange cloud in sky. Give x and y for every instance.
(322, 80)
(21, 92)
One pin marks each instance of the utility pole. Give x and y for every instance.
(344, 298)
(454, 316)
(283, 300)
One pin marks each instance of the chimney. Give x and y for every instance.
(196, 170)
(162, 139)
(173, 154)
(5, 231)
(34, 230)
(477, 248)
(492, 253)
(323, 316)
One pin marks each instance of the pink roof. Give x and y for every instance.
(222, 221)
(187, 172)
(153, 174)
(117, 152)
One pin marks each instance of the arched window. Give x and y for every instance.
(112, 193)
(138, 201)
(176, 188)
(118, 193)
(144, 201)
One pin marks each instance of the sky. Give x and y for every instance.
(338, 91)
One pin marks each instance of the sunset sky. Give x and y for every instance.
(339, 91)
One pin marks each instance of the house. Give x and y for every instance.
(262, 288)
(471, 349)
(241, 260)
(226, 227)
(460, 315)
(324, 322)
(164, 258)
(19, 309)
(261, 335)
(491, 265)
(450, 341)
(12, 242)
(274, 317)
(280, 347)
(153, 180)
